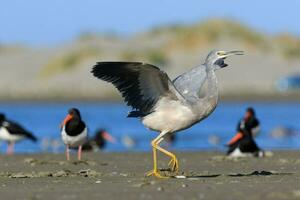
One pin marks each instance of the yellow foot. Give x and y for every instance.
(156, 174)
(174, 164)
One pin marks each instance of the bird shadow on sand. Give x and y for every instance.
(260, 173)
(169, 173)
(252, 174)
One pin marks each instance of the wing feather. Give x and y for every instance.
(141, 85)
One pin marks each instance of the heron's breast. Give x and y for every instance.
(170, 116)
(205, 108)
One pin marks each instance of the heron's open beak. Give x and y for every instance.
(68, 118)
(232, 53)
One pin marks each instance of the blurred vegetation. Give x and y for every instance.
(203, 34)
(157, 57)
(68, 61)
(152, 56)
(86, 36)
(12, 48)
(186, 38)
(290, 46)
(130, 56)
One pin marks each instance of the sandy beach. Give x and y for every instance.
(121, 176)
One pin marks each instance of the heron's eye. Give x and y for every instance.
(220, 53)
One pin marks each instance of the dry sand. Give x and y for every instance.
(121, 176)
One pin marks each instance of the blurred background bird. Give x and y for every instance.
(74, 132)
(12, 132)
(98, 141)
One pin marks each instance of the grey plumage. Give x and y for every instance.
(163, 105)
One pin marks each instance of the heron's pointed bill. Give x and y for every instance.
(224, 54)
(232, 53)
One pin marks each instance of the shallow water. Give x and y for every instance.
(44, 119)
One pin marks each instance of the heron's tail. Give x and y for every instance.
(135, 113)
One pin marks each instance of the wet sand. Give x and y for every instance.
(121, 176)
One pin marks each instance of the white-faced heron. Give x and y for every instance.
(163, 105)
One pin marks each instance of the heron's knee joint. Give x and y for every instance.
(153, 143)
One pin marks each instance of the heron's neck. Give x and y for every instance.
(211, 85)
(208, 100)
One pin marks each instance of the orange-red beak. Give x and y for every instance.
(235, 138)
(68, 118)
(108, 137)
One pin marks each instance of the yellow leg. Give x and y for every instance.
(173, 162)
(155, 172)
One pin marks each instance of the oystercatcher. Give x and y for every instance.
(98, 142)
(11, 132)
(74, 132)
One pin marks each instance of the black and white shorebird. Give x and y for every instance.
(163, 105)
(98, 142)
(245, 148)
(243, 144)
(11, 132)
(74, 132)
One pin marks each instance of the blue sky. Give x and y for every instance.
(36, 22)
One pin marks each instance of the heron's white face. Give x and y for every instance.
(216, 58)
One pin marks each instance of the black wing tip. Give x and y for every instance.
(30, 136)
(117, 63)
(99, 66)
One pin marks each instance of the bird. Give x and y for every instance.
(74, 132)
(163, 105)
(99, 141)
(246, 147)
(12, 132)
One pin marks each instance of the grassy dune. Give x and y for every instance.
(176, 48)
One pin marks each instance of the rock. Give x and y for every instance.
(122, 174)
(29, 160)
(20, 175)
(88, 173)
(184, 185)
(61, 173)
(44, 174)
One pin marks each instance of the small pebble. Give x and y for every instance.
(125, 175)
(184, 185)
(20, 175)
(180, 176)
(160, 189)
(99, 181)
(153, 182)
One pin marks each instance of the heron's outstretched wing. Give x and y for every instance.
(141, 85)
